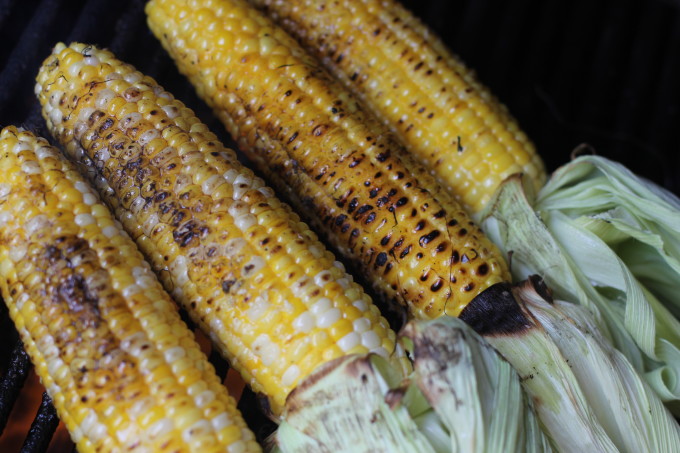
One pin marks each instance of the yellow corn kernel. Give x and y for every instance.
(408, 78)
(337, 164)
(217, 251)
(94, 326)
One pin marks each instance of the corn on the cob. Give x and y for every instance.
(253, 276)
(426, 95)
(123, 370)
(337, 163)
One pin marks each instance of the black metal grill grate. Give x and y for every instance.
(17, 367)
(606, 73)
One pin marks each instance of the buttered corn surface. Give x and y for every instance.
(256, 279)
(124, 372)
(334, 161)
(408, 78)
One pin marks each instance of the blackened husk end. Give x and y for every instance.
(495, 311)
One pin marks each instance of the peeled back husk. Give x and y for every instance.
(461, 397)
(619, 400)
(610, 241)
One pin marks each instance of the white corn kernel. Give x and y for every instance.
(370, 340)
(31, 167)
(110, 231)
(258, 308)
(212, 183)
(175, 353)
(253, 266)
(84, 219)
(361, 325)
(322, 278)
(233, 246)
(5, 217)
(141, 406)
(37, 223)
(360, 305)
(85, 114)
(244, 222)
(44, 152)
(290, 375)
(349, 341)
(89, 199)
(231, 175)
(304, 322)
(5, 190)
(147, 136)
(82, 187)
(221, 421)
(74, 69)
(91, 60)
(204, 398)
(171, 111)
(270, 353)
(104, 97)
(321, 306)
(131, 290)
(133, 77)
(161, 427)
(131, 120)
(328, 318)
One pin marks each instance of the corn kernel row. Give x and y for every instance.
(252, 276)
(122, 369)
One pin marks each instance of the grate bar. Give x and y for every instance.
(26, 51)
(13, 381)
(6, 10)
(42, 428)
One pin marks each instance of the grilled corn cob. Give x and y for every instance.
(252, 276)
(336, 163)
(426, 95)
(123, 370)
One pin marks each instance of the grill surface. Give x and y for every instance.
(605, 73)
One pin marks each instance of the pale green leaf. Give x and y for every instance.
(610, 241)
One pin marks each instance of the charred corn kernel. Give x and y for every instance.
(96, 323)
(408, 78)
(336, 163)
(240, 261)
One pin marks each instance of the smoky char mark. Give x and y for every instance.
(496, 312)
(438, 345)
(66, 283)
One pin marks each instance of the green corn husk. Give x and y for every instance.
(617, 399)
(476, 394)
(461, 397)
(604, 238)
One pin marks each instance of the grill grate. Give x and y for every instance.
(605, 73)
(42, 428)
(15, 375)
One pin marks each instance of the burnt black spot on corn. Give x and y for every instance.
(245, 61)
(412, 82)
(270, 296)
